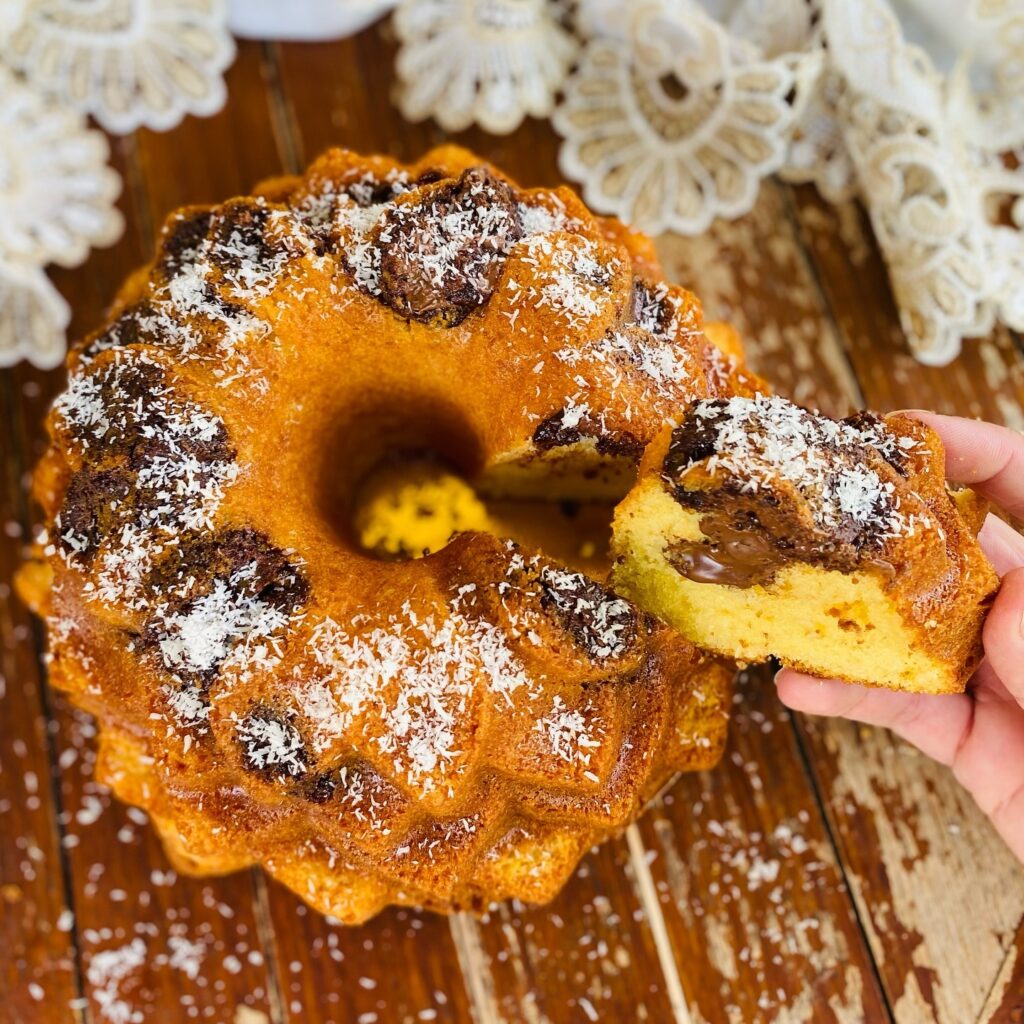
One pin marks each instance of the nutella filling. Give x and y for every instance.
(738, 558)
(749, 557)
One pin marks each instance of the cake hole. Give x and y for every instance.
(396, 481)
(413, 503)
(374, 436)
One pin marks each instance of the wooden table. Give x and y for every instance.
(823, 872)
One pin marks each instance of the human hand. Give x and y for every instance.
(980, 733)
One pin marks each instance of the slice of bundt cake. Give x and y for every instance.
(758, 528)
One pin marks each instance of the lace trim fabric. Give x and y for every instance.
(671, 113)
(488, 62)
(33, 316)
(127, 64)
(666, 122)
(673, 117)
(934, 138)
(57, 200)
(675, 110)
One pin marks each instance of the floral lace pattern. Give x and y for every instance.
(928, 150)
(56, 191)
(671, 113)
(128, 63)
(33, 316)
(673, 125)
(489, 62)
(57, 198)
(678, 108)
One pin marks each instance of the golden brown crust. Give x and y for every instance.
(259, 680)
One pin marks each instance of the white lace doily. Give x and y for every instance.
(492, 62)
(668, 121)
(56, 191)
(57, 198)
(33, 316)
(125, 62)
(678, 108)
(930, 103)
(128, 63)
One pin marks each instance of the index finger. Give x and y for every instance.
(934, 724)
(988, 457)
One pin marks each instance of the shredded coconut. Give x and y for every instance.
(418, 676)
(225, 627)
(606, 621)
(566, 732)
(175, 489)
(767, 437)
(107, 971)
(271, 744)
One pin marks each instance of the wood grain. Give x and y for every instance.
(754, 273)
(1005, 1003)
(727, 902)
(589, 955)
(402, 966)
(752, 891)
(938, 891)
(39, 970)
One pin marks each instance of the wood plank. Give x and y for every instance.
(754, 273)
(153, 944)
(752, 891)
(39, 973)
(911, 839)
(1005, 1003)
(591, 954)
(938, 890)
(401, 966)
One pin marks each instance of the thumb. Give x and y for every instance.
(934, 724)
(1004, 634)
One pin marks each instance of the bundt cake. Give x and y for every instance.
(758, 528)
(444, 731)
